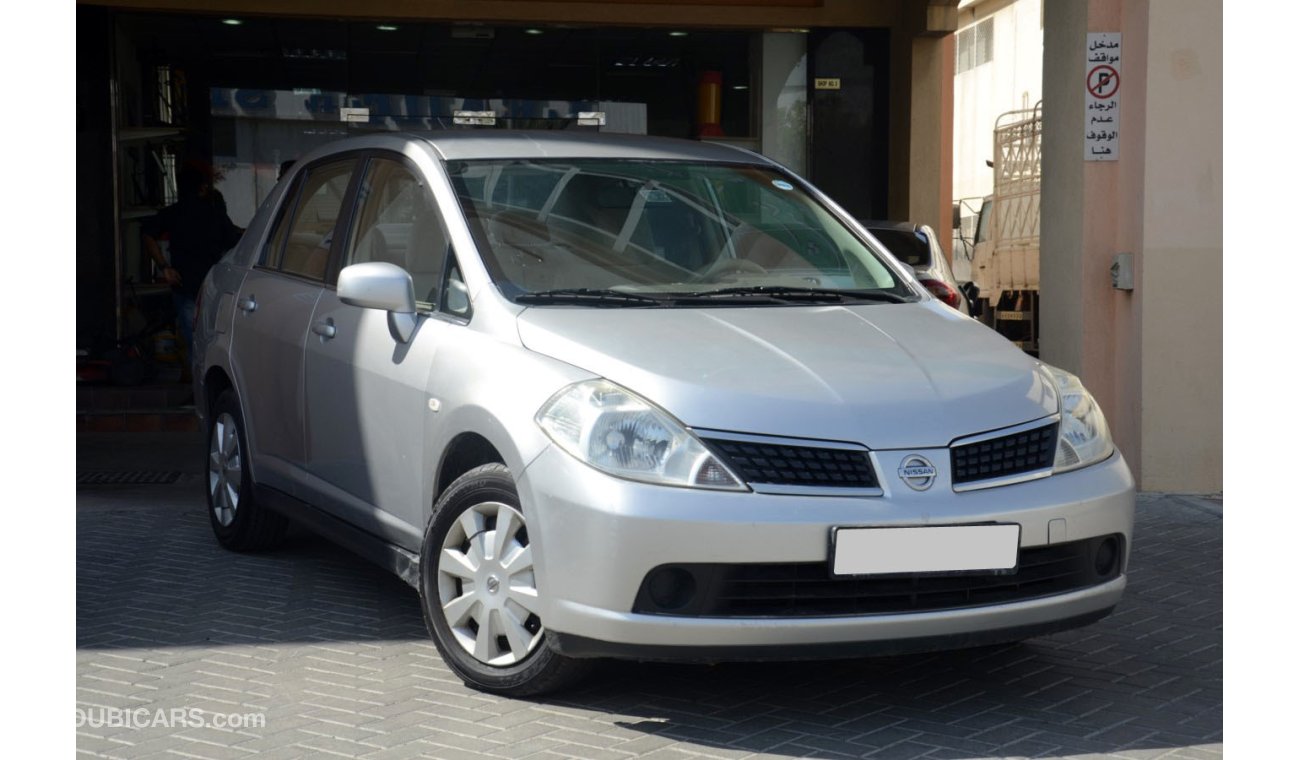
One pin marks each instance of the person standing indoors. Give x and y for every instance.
(198, 231)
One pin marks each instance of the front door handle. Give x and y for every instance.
(248, 305)
(325, 328)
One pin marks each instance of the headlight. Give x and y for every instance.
(1084, 437)
(618, 432)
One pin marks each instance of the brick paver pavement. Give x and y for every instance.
(332, 653)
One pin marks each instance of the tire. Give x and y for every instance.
(471, 572)
(239, 522)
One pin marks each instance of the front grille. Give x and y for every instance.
(808, 590)
(1002, 457)
(779, 464)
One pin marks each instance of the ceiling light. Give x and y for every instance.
(678, 34)
(232, 21)
(532, 31)
(740, 87)
(386, 28)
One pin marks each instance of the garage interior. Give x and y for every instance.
(241, 94)
(198, 87)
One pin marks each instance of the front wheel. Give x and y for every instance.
(479, 590)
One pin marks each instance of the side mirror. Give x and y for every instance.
(383, 286)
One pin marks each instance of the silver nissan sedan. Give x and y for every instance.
(609, 396)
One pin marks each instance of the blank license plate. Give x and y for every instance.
(941, 549)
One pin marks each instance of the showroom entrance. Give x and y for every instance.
(241, 95)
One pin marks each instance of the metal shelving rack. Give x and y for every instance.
(144, 177)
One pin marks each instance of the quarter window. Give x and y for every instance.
(275, 243)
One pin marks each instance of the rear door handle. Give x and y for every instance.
(248, 305)
(325, 329)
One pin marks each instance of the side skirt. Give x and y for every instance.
(394, 559)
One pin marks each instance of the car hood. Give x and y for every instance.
(884, 375)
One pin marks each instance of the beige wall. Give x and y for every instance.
(1067, 199)
(1153, 357)
(1182, 256)
(929, 124)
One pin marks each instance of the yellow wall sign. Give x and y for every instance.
(826, 83)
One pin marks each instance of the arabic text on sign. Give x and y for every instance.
(1102, 80)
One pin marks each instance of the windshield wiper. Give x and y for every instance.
(788, 293)
(588, 297)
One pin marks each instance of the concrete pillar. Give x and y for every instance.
(1181, 261)
(1078, 212)
(930, 161)
(921, 128)
(1153, 356)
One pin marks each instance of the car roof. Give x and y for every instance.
(455, 145)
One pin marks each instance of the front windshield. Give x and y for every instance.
(650, 229)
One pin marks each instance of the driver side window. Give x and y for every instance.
(398, 223)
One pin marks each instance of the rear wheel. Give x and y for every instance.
(479, 590)
(239, 522)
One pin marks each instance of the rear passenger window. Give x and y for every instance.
(311, 233)
(398, 223)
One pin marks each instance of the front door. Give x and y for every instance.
(368, 394)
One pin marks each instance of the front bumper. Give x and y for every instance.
(596, 537)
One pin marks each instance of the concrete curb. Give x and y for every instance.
(1211, 504)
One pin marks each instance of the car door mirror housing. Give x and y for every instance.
(377, 285)
(383, 286)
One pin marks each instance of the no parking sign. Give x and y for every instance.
(1101, 110)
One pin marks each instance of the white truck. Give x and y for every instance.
(1005, 261)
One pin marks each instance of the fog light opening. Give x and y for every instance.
(1107, 558)
(671, 588)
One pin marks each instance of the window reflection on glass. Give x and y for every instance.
(656, 227)
(399, 224)
(785, 100)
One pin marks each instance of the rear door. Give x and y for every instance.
(274, 309)
(368, 394)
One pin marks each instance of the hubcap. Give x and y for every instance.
(225, 469)
(487, 586)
